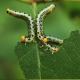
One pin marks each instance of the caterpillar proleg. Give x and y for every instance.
(29, 22)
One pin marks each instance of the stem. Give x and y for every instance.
(34, 10)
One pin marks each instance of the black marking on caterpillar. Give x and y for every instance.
(29, 22)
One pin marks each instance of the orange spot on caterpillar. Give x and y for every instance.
(56, 49)
(44, 40)
(23, 38)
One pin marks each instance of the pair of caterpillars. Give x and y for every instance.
(39, 26)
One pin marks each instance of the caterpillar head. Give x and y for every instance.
(56, 49)
(44, 40)
(8, 10)
(52, 8)
(23, 38)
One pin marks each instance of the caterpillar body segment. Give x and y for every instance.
(40, 20)
(29, 22)
(50, 47)
(53, 39)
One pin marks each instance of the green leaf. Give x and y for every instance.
(64, 64)
(28, 59)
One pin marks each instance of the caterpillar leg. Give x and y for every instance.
(46, 49)
(41, 46)
(34, 41)
(25, 44)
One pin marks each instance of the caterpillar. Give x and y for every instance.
(40, 30)
(30, 24)
(49, 47)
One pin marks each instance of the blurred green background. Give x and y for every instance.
(65, 18)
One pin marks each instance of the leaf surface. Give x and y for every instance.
(64, 64)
